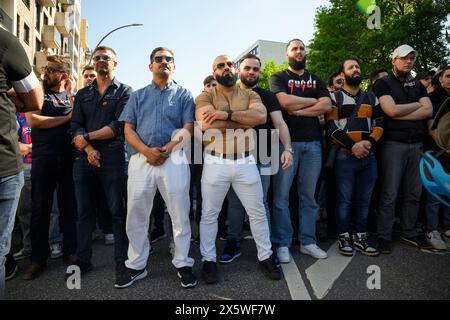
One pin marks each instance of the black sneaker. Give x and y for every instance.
(419, 241)
(231, 251)
(270, 269)
(384, 246)
(128, 277)
(362, 245)
(157, 234)
(209, 272)
(188, 279)
(345, 245)
(11, 267)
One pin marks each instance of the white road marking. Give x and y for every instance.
(323, 274)
(294, 280)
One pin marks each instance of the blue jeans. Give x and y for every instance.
(308, 164)
(236, 212)
(434, 207)
(355, 180)
(110, 177)
(10, 188)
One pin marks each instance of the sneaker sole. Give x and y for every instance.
(368, 254)
(231, 260)
(56, 256)
(187, 286)
(139, 277)
(347, 254)
(12, 275)
(414, 244)
(315, 257)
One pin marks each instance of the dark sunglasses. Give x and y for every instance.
(221, 65)
(52, 70)
(159, 59)
(104, 57)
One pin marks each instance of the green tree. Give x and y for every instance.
(270, 68)
(341, 31)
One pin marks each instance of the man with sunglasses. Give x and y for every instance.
(224, 114)
(159, 120)
(53, 157)
(406, 105)
(100, 162)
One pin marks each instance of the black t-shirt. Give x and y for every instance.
(53, 141)
(271, 103)
(402, 93)
(302, 129)
(14, 66)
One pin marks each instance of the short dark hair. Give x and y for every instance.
(423, 75)
(153, 54)
(208, 80)
(331, 79)
(250, 56)
(289, 43)
(64, 62)
(88, 68)
(105, 48)
(341, 67)
(374, 74)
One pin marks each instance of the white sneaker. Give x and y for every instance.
(314, 251)
(109, 239)
(283, 254)
(55, 251)
(435, 239)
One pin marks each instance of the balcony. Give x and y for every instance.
(84, 34)
(67, 2)
(40, 59)
(62, 23)
(6, 21)
(51, 38)
(47, 3)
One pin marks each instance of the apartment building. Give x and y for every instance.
(266, 51)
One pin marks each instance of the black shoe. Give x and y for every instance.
(231, 251)
(384, 246)
(209, 272)
(270, 269)
(188, 279)
(362, 245)
(275, 257)
(157, 234)
(418, 241)
(11, 268)
(128, 277)
(345, 245)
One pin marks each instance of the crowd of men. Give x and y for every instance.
(120, 153)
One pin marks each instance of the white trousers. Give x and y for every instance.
(218, 175)
(172, 180)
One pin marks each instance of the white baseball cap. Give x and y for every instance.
(403, 51)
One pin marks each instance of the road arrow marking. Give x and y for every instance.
(294, 280)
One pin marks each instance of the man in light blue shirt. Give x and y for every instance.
(152, 117)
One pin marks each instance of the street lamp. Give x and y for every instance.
(126, 26)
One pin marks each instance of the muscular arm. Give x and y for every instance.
(294, 103)
(36, 121)
(425, 111)
(396, 111)
(323, 106)
(255, 115)
(222, 125)
(278, 123)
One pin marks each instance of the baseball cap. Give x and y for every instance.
(403, 51)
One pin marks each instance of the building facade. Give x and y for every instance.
(47, 27)
(266, 51)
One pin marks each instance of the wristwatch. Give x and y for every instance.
(86, 136)
(290, 150)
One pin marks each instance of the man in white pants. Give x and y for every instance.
(228, 163)
(152, 115)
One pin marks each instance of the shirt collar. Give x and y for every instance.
(115, 83)
(168, 85)
(409, 77)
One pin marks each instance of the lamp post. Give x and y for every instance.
(126, 26)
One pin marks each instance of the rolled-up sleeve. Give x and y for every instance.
(116, 125)
(77, 121)
(188, 108)
(129, 113)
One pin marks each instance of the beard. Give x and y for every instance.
(226, 80)
(250, 83)
(48, 84)
(297, 65)
(353, 81)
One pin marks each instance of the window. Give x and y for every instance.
(26, 33)
(27, 3)
(38, 45)
(45, 20)
(38, 17)
(18, 27)
(255, 50)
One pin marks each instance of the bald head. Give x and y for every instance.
(219, 59)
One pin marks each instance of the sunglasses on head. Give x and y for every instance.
(159, 59)
(104, 57)
(221, 65)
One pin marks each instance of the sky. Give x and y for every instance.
(196, 30)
